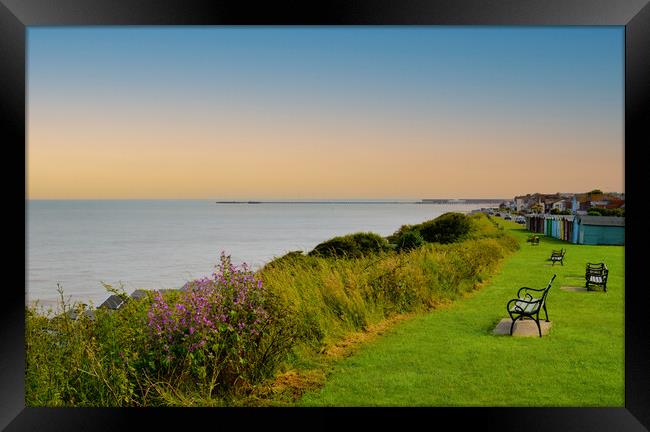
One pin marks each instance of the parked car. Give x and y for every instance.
(507, 217)
(497, 214)
(520, 219)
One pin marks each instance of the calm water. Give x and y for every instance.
(163, 244)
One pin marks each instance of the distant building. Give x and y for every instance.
(576, 202)
(600, 204)
(559, 205)
(615, 203)
(520, 204)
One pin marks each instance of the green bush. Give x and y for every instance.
(292, 256)
(401, 231)
(447, 228)
(84, 362)
(597, 211)
(409, 240)
(351, 246)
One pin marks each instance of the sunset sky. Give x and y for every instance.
(323, 112)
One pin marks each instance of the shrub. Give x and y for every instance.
(368, 243)
(342, 246)
(83, 362)
(225, 328)
(597, 211)
(351, 246)
(292, 256)
(409, 240)
(401, 231)
(447, 228)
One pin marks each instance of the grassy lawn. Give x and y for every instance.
(451, 358)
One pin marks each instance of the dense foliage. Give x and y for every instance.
(597, 211)
(351, 246)
(447, 228)
(409, 240)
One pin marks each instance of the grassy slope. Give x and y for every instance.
(450, 358)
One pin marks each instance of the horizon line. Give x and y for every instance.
(269, 200)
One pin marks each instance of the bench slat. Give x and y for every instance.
(527, 307)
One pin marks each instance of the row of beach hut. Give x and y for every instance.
(580, 229)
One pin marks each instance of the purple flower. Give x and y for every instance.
(196, 320)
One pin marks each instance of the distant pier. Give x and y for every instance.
(464, 201)
(423, 201)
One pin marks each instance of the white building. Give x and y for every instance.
(559, 205)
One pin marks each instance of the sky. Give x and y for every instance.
(323, 112)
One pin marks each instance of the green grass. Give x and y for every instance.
(449, 357)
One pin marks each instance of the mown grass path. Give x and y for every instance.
(450, 357)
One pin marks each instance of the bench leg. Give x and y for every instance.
(546, 312)
(512, 326)
(539, 328)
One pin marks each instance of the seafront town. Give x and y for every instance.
(593, 217)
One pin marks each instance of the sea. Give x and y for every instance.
(156, 244)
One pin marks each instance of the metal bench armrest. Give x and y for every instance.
(529, 289)
(517, 308)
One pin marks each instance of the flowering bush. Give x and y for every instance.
(226, 327)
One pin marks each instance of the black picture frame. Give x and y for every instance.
(16, 15)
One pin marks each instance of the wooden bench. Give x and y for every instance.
(558, 256)
(596, 274)
(529, 306)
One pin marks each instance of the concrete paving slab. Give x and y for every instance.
(525, 328)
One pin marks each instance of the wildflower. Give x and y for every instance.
(208, 308)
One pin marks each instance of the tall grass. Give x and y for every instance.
(335, 297)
